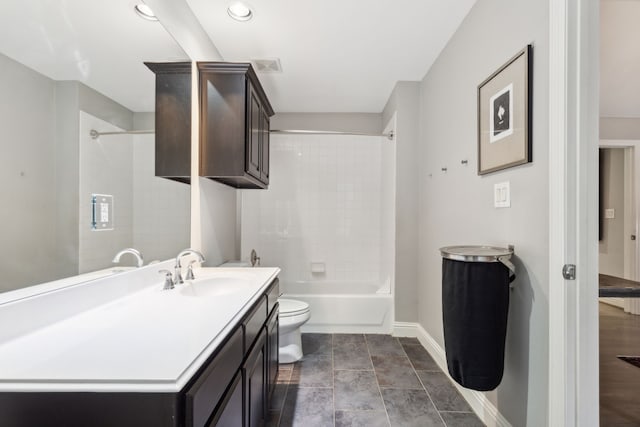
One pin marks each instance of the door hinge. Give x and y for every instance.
(569, 272)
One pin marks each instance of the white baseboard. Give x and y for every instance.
(616, 302)
(484, 409)
(405, 329)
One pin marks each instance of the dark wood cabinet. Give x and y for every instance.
(205, 392)
(255, 383)
(231, 410)
(264, 147)
(255, 366)
(173, 120)
(272, 350)
(234, 125)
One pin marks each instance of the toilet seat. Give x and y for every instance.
(290, 308)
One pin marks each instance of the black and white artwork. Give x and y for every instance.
(504, 115)
(501, 114)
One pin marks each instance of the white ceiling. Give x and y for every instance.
(620, 58)
(336, 55)
(101, 43)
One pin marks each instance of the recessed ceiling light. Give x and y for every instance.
(239, 11)
(145, 12)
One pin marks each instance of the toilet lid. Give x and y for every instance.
(292, 307)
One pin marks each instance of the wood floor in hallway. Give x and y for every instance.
(619, 380)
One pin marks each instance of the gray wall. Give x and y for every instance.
(67, 179)
(405, 102)
(344, 122)
(219, 215)
(611, 247)
(456, 207)
(27, 184)
(619, 128)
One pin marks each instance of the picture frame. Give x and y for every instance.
(504, 115)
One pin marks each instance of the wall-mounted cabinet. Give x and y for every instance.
(234, 125)
(173, 120)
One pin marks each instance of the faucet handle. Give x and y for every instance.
(168, 280)
(190, 275)
(255, 259)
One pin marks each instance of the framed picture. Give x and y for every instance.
(504, 115)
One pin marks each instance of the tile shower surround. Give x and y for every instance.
(366, 380)
(328, 201)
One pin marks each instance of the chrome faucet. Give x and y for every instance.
(136, 253)
(177, 277)
(168, 280)
(190, 275)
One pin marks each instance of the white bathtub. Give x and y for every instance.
(344, 307)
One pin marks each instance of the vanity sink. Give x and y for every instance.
(213, 286)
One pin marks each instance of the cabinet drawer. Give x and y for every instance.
(272, 294)
(254, 322)
(204, 394)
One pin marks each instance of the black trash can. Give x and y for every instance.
(475, 305)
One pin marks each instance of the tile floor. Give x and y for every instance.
(366, 380)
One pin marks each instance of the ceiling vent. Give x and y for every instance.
(271, 65)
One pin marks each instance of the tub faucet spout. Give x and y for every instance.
(136, 253)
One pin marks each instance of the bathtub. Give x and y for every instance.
(344, 307)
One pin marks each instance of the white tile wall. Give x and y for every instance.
(324, 204)
(106, 167)
(161, 207)
(151, 214)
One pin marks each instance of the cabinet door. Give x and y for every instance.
(264, 147)
(203, 396)
(254, 115)
(255, 384)
(230, 412)
(272, 351)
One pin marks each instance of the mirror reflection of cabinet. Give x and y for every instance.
(173, 120)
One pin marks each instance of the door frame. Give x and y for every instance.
(631, 226)
(573, 386)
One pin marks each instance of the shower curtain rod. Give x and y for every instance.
(95, 134)
(328, 132)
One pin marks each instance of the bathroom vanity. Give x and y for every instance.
(131, 354)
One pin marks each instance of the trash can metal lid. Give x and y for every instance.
(471, 253)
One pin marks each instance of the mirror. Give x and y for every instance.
(67, 68)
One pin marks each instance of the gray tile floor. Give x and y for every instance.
(366, 381)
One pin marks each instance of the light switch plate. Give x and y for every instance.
(609, 213)
(502, 195)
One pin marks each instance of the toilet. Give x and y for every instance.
(293, 314)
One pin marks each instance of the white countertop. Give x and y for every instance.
(147, 341)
